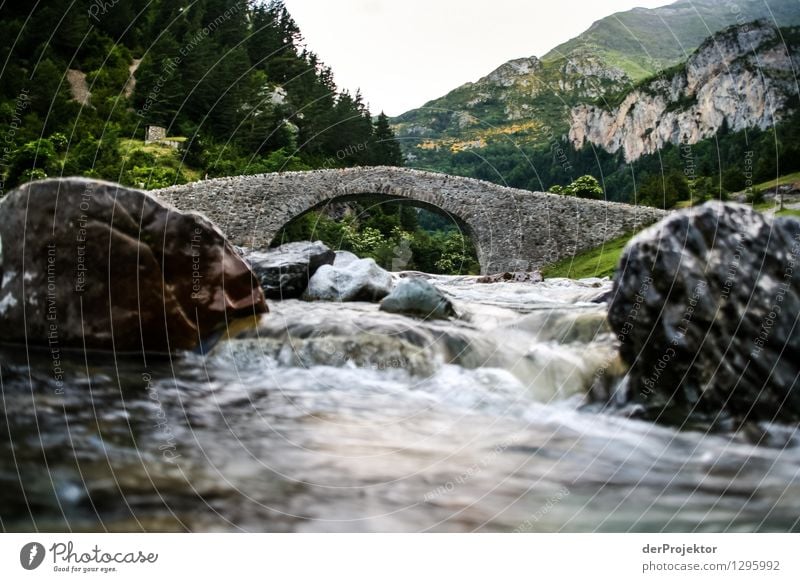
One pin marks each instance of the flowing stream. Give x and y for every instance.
(339, 417)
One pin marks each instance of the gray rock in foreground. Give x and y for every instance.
(355, 280)
(705, 305)
(284, 271)
(420, 298)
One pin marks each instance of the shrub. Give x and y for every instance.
(585, 187)
(755, 195)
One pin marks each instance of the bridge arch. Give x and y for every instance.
(511, 229)
(381, 199)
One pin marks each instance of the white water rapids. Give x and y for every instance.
(339, 417)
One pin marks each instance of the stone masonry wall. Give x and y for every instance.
(512, 229)
(155, 133)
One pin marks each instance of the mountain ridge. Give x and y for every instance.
(672, 32)
(517, 124)
(530, 100)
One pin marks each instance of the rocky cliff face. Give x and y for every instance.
(742, 77)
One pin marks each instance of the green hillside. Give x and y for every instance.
(643, 41)
(525, 99)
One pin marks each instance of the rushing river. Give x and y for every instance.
(339, 417)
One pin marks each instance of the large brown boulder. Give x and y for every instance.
(92, 264)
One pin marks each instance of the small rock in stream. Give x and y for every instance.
(349, 280)
(515, 277)
(284, 271)
(420, 298)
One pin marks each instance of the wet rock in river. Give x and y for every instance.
(284, 271)
(603, 297)
(420, 298)
(93, 264)
(344, 258)
(351, 280)
(361, 351)
(515, 277)
(705, 305)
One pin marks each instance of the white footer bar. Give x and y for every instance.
(400, 557)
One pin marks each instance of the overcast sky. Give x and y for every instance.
(402, 53)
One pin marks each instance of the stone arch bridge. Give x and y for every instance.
(512, 229)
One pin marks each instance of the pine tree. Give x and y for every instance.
(386, 149)
(160, 84)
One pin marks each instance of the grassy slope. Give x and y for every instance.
(598, 262)
(602, 261)
(160, 156)
(787, 179)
